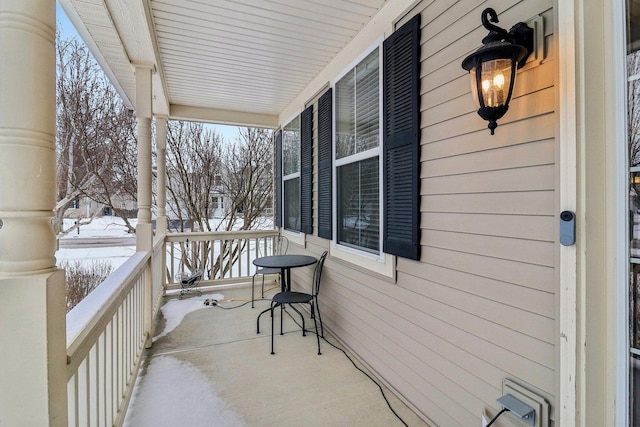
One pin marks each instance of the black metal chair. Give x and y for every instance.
(280, 247)
(290, 298)
(190, 283)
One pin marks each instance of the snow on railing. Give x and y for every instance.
(224, 257)
(108, 330)
(106, 336)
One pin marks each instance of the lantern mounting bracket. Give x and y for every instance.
(520, 34)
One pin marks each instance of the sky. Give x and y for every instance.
(228, 133)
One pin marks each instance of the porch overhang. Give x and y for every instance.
(226, 62)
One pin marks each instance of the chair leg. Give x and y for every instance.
(281, 319)
(258, 321)
(316, 325)
(253, 282)
(272, 352)
(304, 329)
(317, 309)
(262, 286)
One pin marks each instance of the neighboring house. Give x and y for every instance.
(444, 298)
(84, 207)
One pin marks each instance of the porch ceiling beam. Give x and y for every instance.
(223, 117)
(120, 35)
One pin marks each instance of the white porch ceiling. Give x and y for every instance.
(225, 61)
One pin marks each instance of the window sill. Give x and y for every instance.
(383, 266)
(295, 237)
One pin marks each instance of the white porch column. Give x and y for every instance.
(32, 294)
(144, 233)
(161, 146)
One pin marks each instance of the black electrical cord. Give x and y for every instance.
(358, 368)
(497, 416)
(215, 303)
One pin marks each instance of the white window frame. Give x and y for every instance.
(294, 236)
(622, 339)
(381, 263)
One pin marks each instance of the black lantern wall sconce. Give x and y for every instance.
(493, 66)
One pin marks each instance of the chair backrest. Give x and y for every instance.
(317, 273)
(193, 277)
(280, 245)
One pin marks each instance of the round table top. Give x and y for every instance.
(284, 261)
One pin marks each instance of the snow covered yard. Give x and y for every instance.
(100, 228)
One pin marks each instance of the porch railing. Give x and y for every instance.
(108, 330)
(224, 257)
(106, 336)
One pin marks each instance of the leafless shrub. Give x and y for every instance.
(82, 279)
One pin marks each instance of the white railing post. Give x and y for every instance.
(144, 232)
(161, 180)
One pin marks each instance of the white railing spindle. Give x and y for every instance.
(108, 330)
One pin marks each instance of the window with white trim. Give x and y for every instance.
(291, 174)
(357, 156)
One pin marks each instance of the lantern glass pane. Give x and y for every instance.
(496, 82)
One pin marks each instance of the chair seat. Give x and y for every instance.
(291, 298)
(267, 271)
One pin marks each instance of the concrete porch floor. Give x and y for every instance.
(294, 387)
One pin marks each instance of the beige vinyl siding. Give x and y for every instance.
(481, 305)
(488, 203)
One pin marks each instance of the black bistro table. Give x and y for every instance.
(285, 263)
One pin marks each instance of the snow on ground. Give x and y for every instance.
(116, 255)
(176, 310)
(107, 226)
(195, 401)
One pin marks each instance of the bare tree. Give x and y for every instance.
(95, 132)
(201, 168)
(81, 280)
(118, 182)
(193, 163)
(248, 178)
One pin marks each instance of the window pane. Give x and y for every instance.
(292, 204)
(633, 25)
(633, 114)
(291, 147)
(357, 108)
(345, 91)
(633, 117)
(359, 205)
(634, 370)
(634, 215)
(367, 103)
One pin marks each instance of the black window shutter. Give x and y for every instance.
(306, 170)
(401, 141)
(325, 135)
(277, 202)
